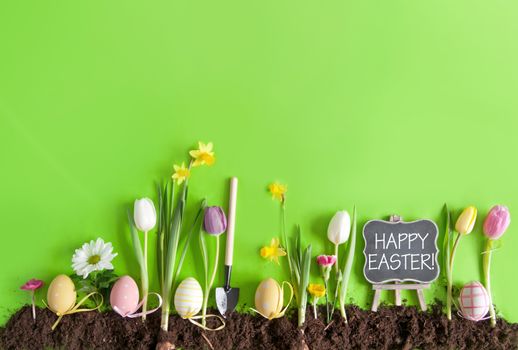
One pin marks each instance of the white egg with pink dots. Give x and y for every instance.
(125, 295)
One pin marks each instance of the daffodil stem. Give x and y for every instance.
(209, 284)
(315, 307)
(449, 296)
(284, 237)
(33, 306)
(487, 277)
(145, 282)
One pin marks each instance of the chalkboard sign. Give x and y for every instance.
(400, 251)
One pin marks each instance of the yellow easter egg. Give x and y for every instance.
(61, 295)
(188, 298)
(269, 298)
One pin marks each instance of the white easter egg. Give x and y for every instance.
(124, 295)
(61, 295)
(269, 298)
(188, 298)
(474, 301)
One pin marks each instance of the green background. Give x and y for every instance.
(395, 106)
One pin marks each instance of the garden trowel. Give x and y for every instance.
(227, 297)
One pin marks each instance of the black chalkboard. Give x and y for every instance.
(400, 251)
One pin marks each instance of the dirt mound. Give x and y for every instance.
(391, 327)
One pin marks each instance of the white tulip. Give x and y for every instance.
(339, 227)
(144, 214)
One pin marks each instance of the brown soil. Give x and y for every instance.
(389, 328)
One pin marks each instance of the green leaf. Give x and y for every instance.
(302, 288)
(203, 204)
(173, 237)
(306, 265)
(137, 249)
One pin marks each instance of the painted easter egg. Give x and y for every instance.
(124, 295)
(474, 301)
(269, 298)
(188, 298)
(61, 295)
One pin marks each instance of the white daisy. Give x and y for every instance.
(93, 256)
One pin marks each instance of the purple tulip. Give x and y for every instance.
(215, 221)
(497, 221)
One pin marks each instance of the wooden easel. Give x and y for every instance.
(397, 287)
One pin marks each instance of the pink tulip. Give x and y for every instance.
(497, 221)
(326, 260)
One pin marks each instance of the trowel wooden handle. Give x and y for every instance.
(229, 252)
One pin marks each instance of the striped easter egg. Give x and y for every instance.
(188, 298)
(474, 301)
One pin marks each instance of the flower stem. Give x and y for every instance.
(33, 306)
(449, 296)
(209, 285)
(338, 280)
(284, 237)
(327, 302)
(336, 255)
(487, 277)
(449, 299)
(145, 280)
(315, 308)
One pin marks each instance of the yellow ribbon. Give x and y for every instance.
(75, 308)
(281, 313)
(193, 318)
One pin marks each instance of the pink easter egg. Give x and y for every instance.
(474, 301)
(125, 295)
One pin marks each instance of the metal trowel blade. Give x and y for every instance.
(226, 300)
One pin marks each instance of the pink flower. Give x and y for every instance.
(326, 260)
(32, 284)
(497, 221)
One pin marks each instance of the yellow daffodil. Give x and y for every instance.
(278, 191)
(203, 155)
(181, 173)
(316, 290)
(273, 251)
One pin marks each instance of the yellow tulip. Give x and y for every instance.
(466, 220)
